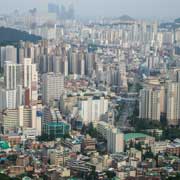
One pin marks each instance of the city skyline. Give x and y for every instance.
(162, 9)
(90, 89)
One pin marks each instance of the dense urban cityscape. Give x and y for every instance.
(91, 99)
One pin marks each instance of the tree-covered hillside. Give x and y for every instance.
(13, 35)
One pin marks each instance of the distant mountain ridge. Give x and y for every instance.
(14, 35)
(126, 18)
(171, 25)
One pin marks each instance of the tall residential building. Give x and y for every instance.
(10, 75)
(21, 55)
(24, 75)
(74, 63)
(13, 75)
(66, 72)
(10, 120)
(30, 81)
(57, 64)
(115, 141)
(122, 78)
(168, 37)
(52, 86)
(92, 108)
(89, 63)
(21, 117)
(8, 53)
(103, 128)
(149, 104)
(173, 103)
(11, 99)
(163, 101)
(7, 99)
(29, 72)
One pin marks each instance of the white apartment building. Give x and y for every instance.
(52, 86)
(115, 141)
(92, 108)
(12, 75)
(102, 128)
(173, 103)
(24, 75)
(58, 157)
(24, 117)
(149, 104)
(30, 79)
(8, 99)
(8, 53)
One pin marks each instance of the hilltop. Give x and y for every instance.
(13, 35)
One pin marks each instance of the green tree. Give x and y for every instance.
(148, 154)
(177, 177)
(171, 133)
(5, 177)
(92, 131)
(110, 174)
(12, 157)
(138, 146)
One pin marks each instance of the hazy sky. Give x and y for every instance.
(135, 8)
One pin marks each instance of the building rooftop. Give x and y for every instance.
(4, 145)
(130, 136)
(26, 178)
(55, 124)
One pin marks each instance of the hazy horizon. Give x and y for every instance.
(154, 9)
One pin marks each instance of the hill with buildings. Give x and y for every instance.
(12, 35)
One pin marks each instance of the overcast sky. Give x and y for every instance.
(135, 8)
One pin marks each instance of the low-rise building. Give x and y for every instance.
(139, 137)
(22, 160)
(135, 154)
(73, 144)
(56, 129)
(126, 171)
(88, 144)
(58, 157)
(16, 170)
(159, 147)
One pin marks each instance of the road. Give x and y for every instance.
(127, 110)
